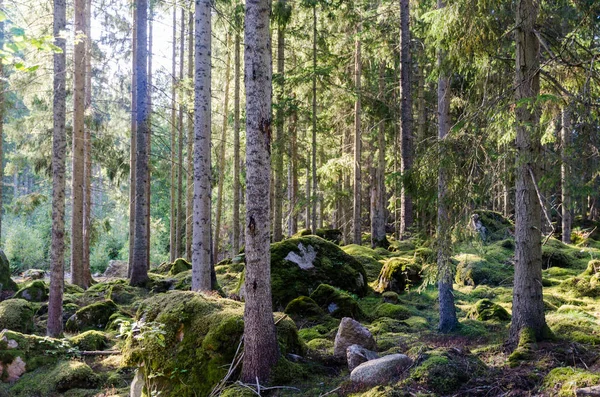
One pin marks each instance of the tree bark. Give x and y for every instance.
(378, 238)
(139, 271)
(190, 147)
(260, 341)
(279, 139)
(87, 161)
(180, 214)
(314, 124)
(2, 112)
(173, 193)
(149, 143)
(406, 145)
(222, 155)
(201, 248)
(133, 144)
(565, 175)
(59, 148)
(77, 190)
(448, 320)
(236, 142)
(293, 182)
(528, 303)
(356, 229)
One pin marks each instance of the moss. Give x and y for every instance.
(90, 340)
(302, 233)
(331, 266)
(304, 306)
(390, 297)
(508, 243)
(574, 325)
(581, 286)
(553, 256)
(485, 310)
(16, 315)
(180, 265)
(64, 376)
(237, 391)
(115, 320)
(35, 350)
(336, 302)
(424, 255)
(288, 338)
(593, 267)
(391, 310)
(124, 294)
(443, 371)
(525, 348)
(201, 336)
(563, 381)
(6, 283)
(483, 292)
(318, 331)
(286, 371)
(73, 289)
(498, 227)
(35, 291)
(369, 258)
(398, 274)
(471, 328)
(333, 235)
(474, 270)
(402, 245)
(321, 346)
(94, 316)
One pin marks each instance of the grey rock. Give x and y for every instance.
(357, 355)
(381, 371)
(116, 269)
(137, 385)
(593, 391)
(351, 332)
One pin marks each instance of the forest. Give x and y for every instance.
(276, 198)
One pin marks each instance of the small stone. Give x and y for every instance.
(14, 370)
(12, 344)
(381, 371)
(351, 332)
(357, 355)
(137, 385)
(593, 391)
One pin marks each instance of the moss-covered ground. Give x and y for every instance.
(191, 339)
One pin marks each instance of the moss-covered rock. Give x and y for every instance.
(574, 325)
(56, 380)
(369, 258)
(94, 316)
(391, 310)
(35, 291)
(16, 315)
(6, 283)
(171, 269)
(485, 310)
(398, 274)
(124, 294)
(333, 235)
(497, 226)
(390, 297)
(73, 289)
(557, 256)
(564, 381)
(337, 303)
(304, 307)
(302, 233)
(473, 270)
(237, 391)
(200, 336)
(299, 265)
(593, 267)
(445, 370)
(90, 340)
(582, 286)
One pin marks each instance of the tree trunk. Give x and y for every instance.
(313, 197)
(293, 182)
(190, 147)
(222, 155)
(356, 229)
(279, 139)
(406, 146)
(565, 175)
(87, 161)
(236, 143)
(133, 144)
(173, 193)
(448, 319)
(59, 148)
(149, 143)
(260, 341)
(528, 302)
(201, 248)
(77, 190)
(378, 238)
(139, 271)
(180, 215)
(2, 112)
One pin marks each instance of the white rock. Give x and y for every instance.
(305, 259)
(357, 355)
(351, 332)
(381, 371)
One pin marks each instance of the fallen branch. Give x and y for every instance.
(99, 352)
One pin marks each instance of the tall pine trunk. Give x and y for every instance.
(180, 194)
(356, 217)
(190, 147)
(201, 248)
(565, 175)
(279, 139)
(173, 193)
(406, 145)
(528, 302)
(133, 142)
(59, 148)
(2, 112)
(293, 177)
(236, 142)
(448, 320)
(260, 341)
(139, 268)
(378, 238)
(77, 189)
(149, 141)
(222, 155)
(87, 161)
(313, 195)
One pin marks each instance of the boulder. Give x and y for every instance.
(333, 235)
(116, 268)
(485, 309)
(356, 355)
(56, 380)
(16, 315)
(381, 371)
(351, 332)
(90, 340)
(398, 274)
(33, 274)
(473, 270)
(491, 225)
(300, 265)
(35, 291)
(94, 316)
(176, 267)
(6, 283)
(336, 303)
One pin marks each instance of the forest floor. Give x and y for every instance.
(177, 331)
